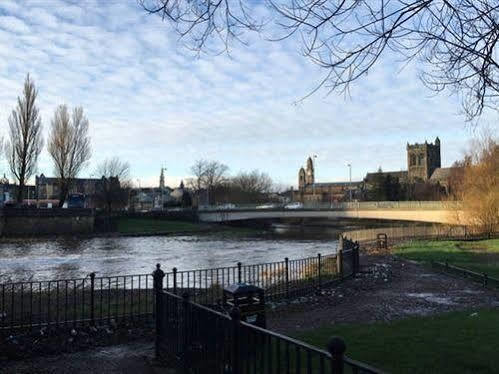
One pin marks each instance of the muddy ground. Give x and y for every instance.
(388, 288)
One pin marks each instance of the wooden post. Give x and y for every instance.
(336, 347)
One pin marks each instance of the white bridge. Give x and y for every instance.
(419, 211)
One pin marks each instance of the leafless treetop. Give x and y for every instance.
(454, 39)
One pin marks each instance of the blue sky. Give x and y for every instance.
(152, 103)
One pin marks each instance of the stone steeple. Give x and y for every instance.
(162, 179)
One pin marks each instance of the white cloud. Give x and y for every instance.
(151, 103)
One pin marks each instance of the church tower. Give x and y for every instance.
(309, 178)
(422, 160)
(162, 179)
(301, 178)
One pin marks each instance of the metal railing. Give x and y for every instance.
(193, 338)
(482, 278)
(91, 300)
(73, 302)
(362, 205)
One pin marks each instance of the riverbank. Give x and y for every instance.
(481, 256)
(401, 316)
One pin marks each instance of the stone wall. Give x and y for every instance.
(27, 222)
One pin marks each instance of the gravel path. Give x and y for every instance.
(389, 288)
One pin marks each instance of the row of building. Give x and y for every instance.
(84, 193)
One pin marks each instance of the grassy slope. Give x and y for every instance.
(457, 342)
(481, 256)
(131, 225)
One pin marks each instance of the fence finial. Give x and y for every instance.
(235, 314)
(336, 347)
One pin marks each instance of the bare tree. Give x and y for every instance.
(114, 188)
(69, 146)
(477, 192)
(253, 183)
(25, 137)
(198, 171)
(215, 174)
(455, 39)
(208, 175)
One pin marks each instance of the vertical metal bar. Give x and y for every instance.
(48, 305)
(174, 280)
(286, 268)
(131, 297)
(101, 292)
(57, 303)
(22, 305)
(92, 300)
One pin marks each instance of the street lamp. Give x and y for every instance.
(313, 184)
(350, 179)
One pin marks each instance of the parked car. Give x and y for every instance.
(227, 206)
(295, 205)
(266, 206)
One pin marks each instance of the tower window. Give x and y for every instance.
(413, 160)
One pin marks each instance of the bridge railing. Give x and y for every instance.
(364, 205)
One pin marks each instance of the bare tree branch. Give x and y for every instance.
(69, 146)
(454, 39)
(25, 137)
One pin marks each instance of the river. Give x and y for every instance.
(63, 258)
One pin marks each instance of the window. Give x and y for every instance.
(420, 160)
(413, 160)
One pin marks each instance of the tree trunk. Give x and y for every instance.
(20, 192)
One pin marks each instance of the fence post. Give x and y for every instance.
(239, 272)
(286, 264)
(174, 280)
(158, 276)
(92, 299)
(319, 269)
(235, 314)
(336, 347)
(485, 279)
(185, 333)
(339, 263)
(357, 258)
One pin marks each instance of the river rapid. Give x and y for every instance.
(65, 258)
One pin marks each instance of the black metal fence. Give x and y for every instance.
(193, 338)
(482, 278)
(74, 302)
(90, 300)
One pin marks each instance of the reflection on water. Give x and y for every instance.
(62, 258)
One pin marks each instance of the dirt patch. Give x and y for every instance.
(388, 288)
(134, 358)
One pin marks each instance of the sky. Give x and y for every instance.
(153, 103)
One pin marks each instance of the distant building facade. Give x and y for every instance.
(423, 166)
(311, 192)
(48, 190)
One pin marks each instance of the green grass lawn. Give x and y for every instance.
(481, 256)
(143, 225)
(458, 342)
